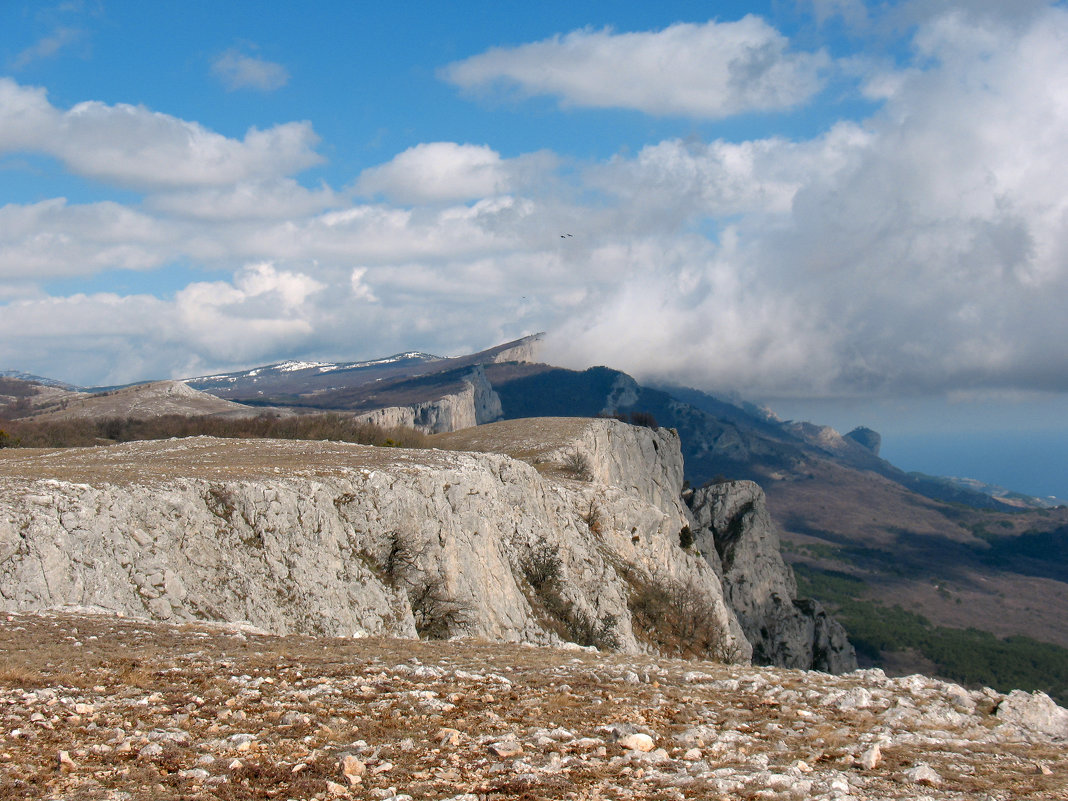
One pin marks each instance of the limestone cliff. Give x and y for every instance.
(734, 532)
(332, 538)
(526, 349)
(475, 404)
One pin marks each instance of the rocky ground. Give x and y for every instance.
(95, 706)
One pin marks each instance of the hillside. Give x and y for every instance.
(99, 707)
(872, 541)
(144, 401)
(864, 535)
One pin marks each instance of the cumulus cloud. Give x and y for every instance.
(136, 147)
(438, 171)
(710, 70)
(262, 309)
(52, 239)
(923, 250)
(239, 70)
(270, 199)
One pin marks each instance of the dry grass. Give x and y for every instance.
(307, 701)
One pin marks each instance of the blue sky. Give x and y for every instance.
(852, 212)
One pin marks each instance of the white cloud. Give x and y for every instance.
(239, 70)
(51, 239)
(271, 199)
(48, 46)
(710, 70)
(134, 146)
(438, 171)
(924, 250)
(263, 309)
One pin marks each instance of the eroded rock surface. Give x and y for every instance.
(339, 539)
(734, 532)
(475, 404)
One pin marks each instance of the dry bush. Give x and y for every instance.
(436, 613)
(14, 675)
(543, 566)
(577, 465)
(83, 431)
(594, 518)
(678, 619)
(543, 570)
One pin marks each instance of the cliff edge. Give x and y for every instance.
(340, 539)
(734, 532)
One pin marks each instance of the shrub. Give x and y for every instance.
(578, 465)
(543, 567)
(678, 619)
(436, 614)
(644, 419)
(543, 570)
(332, 426)
(686, 538)
(594, 518)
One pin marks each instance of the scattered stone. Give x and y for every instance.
(770, 738)
(923, 774)
(448, 737)
(506, 748)
(636, 742)
(66, 764)
(870, 758)
(352, 769)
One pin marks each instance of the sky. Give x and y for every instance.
(856, 213)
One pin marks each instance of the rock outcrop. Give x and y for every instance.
(735, 533)
(340, 539)
(867, 437)
(526, 349)
(475, 404)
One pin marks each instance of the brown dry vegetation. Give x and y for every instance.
(82, 432)
(197, 712)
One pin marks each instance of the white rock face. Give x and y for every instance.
(1031, 714)
(338, 539)
(477, 403)
(733, 530)
(644, 462)
(526, 349)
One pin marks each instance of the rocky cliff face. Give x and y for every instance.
(526, 349)
(734, 532)
(477, 403)
(330, 538)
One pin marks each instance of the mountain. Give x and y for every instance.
(22, 394)
(142, 401)
(344, 385)
(909, 563)
(927, 574)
